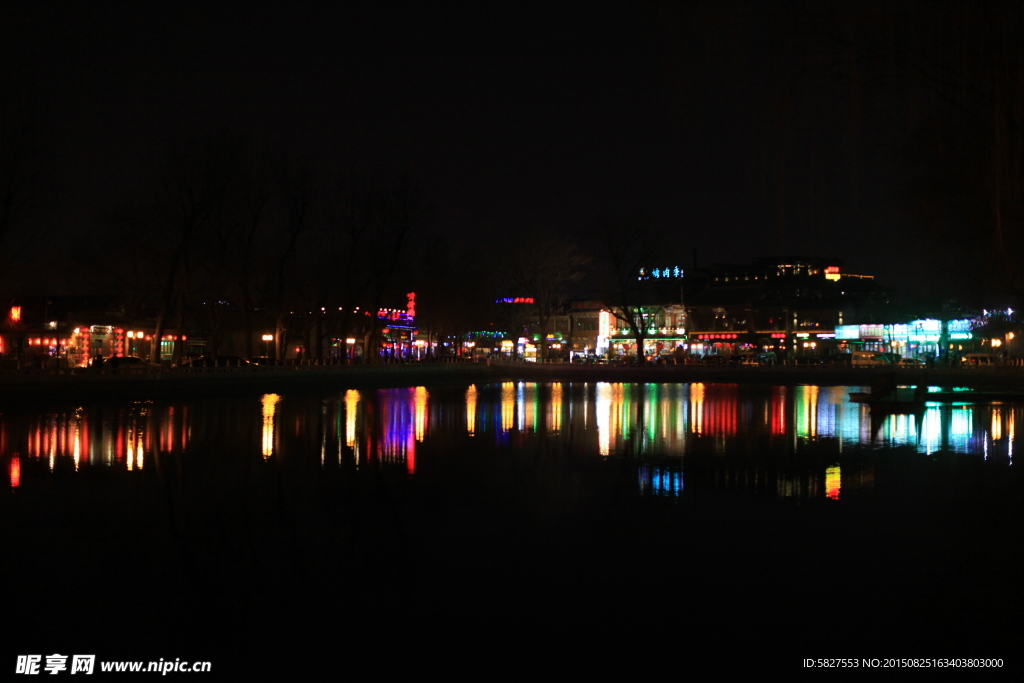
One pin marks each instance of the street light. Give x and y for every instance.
(267, 338)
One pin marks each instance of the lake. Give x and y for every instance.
(581, 524)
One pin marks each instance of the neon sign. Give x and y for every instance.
(661, 273)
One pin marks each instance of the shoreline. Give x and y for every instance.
(999, 377)
(32, 386)
(145, 384)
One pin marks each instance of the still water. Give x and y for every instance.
(752, 511)
(660, 423)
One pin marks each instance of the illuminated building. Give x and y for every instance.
(787, 305)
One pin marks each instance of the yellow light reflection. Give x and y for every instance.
(622, 416)
(420, 412)
(77, 452)
(508, 405)
(130, 460)
(351, 404)
(351, 401)
(51, 442)
(471, 409)
(269, 402)
(833, 482)
(603, 400)
(697, 408)
(555, 409)
(808, 425)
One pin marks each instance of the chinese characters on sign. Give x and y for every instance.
(660, 273)
(55, 663)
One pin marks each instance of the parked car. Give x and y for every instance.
(870, 358)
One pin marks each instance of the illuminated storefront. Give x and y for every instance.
(921, 339)
(666, 331)
(398, 336)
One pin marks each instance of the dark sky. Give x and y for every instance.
(700, 116)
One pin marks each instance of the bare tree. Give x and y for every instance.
(296, 188)
(620, 276)
(351, 262)
(944, 84)
(191, 178)
(542, 266)
(26, 179)
(253, 193)
(125, 256)
(454, 289)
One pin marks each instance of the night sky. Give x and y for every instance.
(734, 127)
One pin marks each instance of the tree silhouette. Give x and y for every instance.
(942, 84)
(616, 275)
(27, 188)
(542, 266)
(190, 185)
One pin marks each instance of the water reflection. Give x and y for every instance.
(269, 402)
(127, 436)
(782, 441)
(471, 409)
(351, 425)
(655, 480)
(978, 429)
(403, 423)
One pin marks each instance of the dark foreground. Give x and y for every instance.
(293, 570)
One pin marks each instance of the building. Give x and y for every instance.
(787, 305)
